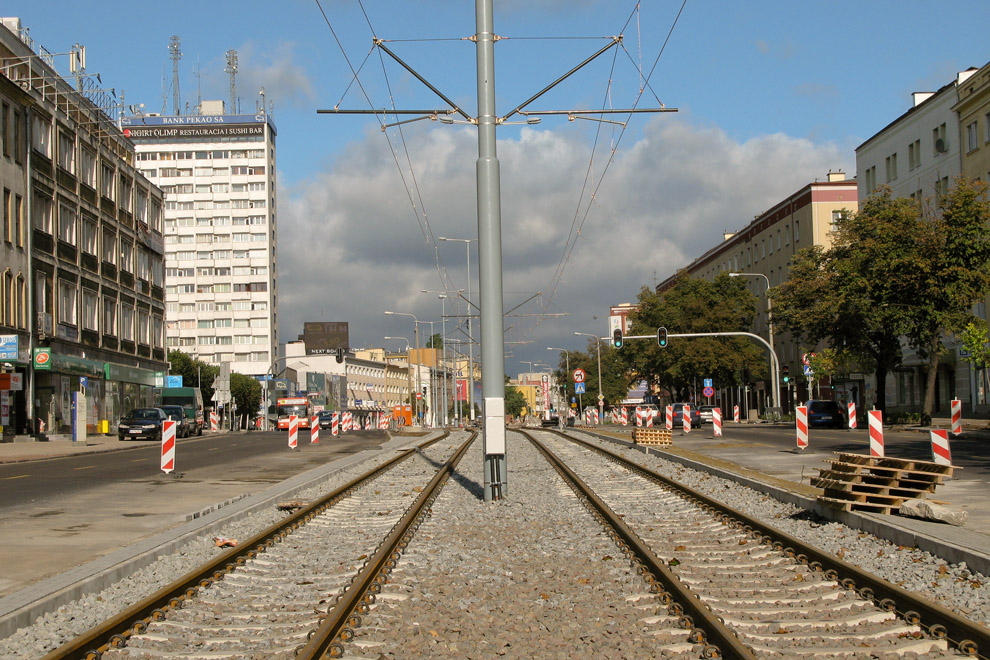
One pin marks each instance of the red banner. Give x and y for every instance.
(462, 389)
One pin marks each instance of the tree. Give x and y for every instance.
(435, 341)
(193, 372)
(977, 344)
(695, 306)
(246, 392)
(514, 399)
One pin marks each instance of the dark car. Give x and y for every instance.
(825, 413)
(326, 419)
(183, 427)
(693, 414)
(142, 424)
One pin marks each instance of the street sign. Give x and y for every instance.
(808, 371)
(174, 381)
(806, 358)
(579, 388)
(8, 347)
(708, 391)
(601, 397)
(43, 358)
(708, 383)
(579, 375)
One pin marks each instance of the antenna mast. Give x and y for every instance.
(176, 54)
(231, 68)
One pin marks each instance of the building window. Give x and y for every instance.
(144, 328)
(107, 176)
(126, 192)
(43, 213)
(5, 129)
(8, 298)
(8, 221)
(127, 322)
(66, 302)
(66, 151)
(972, 137)
(787, 235)
(18, 221)
(67, 224)
(940, 143)
(89, 230)
(109, 247)
(90, 301)
(87, 167)
(41, 136)
(21, 302)
(986, 127)
(870, 179)
(797, 232)
(109, 316)
(126, 256)
(837, 217)
(891, 165)
(914, 155)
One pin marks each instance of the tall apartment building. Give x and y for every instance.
(82, 298)
(217, 172)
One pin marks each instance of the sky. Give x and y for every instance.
(769, 96)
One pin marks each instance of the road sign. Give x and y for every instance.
(579, 375)
(8, 347)
(806, 358)
(708, 383)
(708, 391)
(601, 397)
(579, 388)
(808, 371)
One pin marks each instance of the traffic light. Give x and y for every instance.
(662, 337)
(786, 377)
(617, 338)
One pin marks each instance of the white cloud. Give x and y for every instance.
(350, 246)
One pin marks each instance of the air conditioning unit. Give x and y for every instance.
(44, 325)
(940, 146)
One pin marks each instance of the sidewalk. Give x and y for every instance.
(32, 450)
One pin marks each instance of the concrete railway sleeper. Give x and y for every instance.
(853, 611)
(263, 598)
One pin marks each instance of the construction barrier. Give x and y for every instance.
(876, 433)
(639, 417)
(670, 418)
(801, 424)
(168, 446)
(384, 421)
(852, 415)
(624, 414)
(293, 431)
(314, 430)
(651, 436)
(716, 422)
(956, 417)
(335, 424)
(686, 418)
(940, 448)
(347, 422)
(735, 414)
(214, 421)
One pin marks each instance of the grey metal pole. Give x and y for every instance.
(490, 259)
(470, 397)
(443, 355)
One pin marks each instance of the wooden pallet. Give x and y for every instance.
(858, 482)
(651, 436)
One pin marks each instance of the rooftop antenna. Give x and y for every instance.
(173, 49)
(77, 64)
(164, 91)
(231, 68)
(199, 87)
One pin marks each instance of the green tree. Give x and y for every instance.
(695, 306)
(977, 344)
(193, 372)
(514, 399)
(246, 392)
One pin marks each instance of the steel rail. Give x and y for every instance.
(705, 627)
(114, 632)
(345, 614)
(941, 623)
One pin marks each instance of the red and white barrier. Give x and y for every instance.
(384, 421)
(686, 418)
(876, 433)
(801, 425)
(347, 422)
(293, 431)
(670, 418)
(639, 416)
(168, 446)
(335, 424)
(314, 430)
(956, 417)
(594, 416)
(624, 416)
(648, 417)
(940, 447)
(852, 415)
(716, 422)
(214, 421)
(735, 414)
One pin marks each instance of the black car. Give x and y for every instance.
(825, 413)
(142, 424)
(326, 419)
(693, 415)
(183, 426)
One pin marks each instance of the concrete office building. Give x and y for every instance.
(218, 175)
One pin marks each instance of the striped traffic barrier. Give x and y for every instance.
(384, 421)
(956, 416)
(716, 422)
(168, 446)
(639, 416)
(801, 424)
(624, 416)
(335, 424)
(615, 416)
(670, 418)
(735, 414)
(347, 422)
(686, 418)
(940, 447)
(852, 415)
(648, 417)
(214, 421)
(314, 430)
(594, 416)
(293, 431)
(876, 433)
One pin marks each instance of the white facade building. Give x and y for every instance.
(218, 175)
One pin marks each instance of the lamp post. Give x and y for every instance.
(418, 358)
(467, 250)
(443, 295)
(567, 370)
(546, 400)
(776, 376)
(601, 397)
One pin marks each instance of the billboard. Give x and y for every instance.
(324, 338)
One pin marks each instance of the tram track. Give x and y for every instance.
(271, 593)
(820, 604)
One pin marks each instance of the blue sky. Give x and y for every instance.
(771, 95)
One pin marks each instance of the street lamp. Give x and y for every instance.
(418, 358)
(776, 376)
(443, 295)
(467, 246)
(408, 368)
(601, 397)
(567, 369)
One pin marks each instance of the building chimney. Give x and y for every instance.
(836, 176)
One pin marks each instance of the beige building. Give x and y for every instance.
(973, 108)
(764, 248)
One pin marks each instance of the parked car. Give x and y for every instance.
(142, 424)
(678, 418)
(706, 413)
(825, 413)
(326, 419)
(183, 429)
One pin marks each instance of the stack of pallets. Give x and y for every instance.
(858, 482)
(651, 436)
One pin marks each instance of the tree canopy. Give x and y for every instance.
(193, 372)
